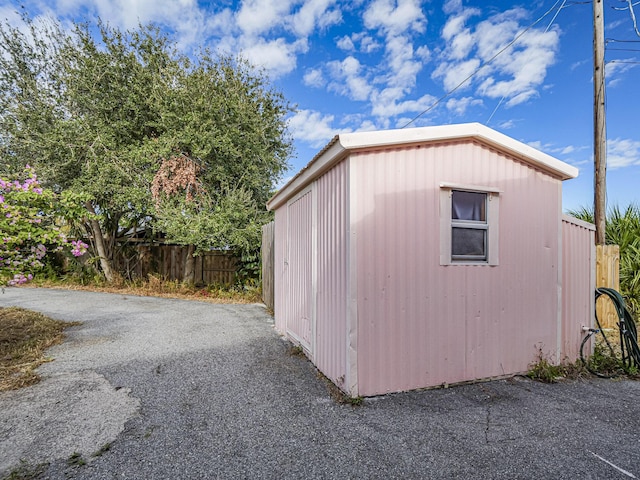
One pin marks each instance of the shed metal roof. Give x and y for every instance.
(340, 146)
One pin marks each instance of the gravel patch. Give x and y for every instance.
(182, 389)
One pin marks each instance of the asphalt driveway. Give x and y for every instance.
(152, 388)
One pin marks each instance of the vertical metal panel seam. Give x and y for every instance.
(559, 279)
(352, 285)
(314, 266)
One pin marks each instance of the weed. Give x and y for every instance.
(354, 401)
(296, 351)
(545, 371)
(104, 449)
(27, 472)
(604, 361)
(24, 336)
(76, 460)
(338, 395)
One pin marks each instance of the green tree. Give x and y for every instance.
(100, 116)
(623, 229)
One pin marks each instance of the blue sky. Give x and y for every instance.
(376, 64)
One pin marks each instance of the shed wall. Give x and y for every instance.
(422, 324)
(299, 264)
(280, 280)
(331, 296)
(578, 284)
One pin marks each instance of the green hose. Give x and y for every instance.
(630, 351)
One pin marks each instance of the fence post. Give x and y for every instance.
(268, 260)
(607, 275)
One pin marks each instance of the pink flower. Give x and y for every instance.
(79, 248)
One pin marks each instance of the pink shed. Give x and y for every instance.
(420, 257)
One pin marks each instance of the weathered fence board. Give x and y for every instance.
(168, 261)
(607, 275)
(267, 252)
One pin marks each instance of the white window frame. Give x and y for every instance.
(447, 224)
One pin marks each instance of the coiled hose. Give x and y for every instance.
(630, 351)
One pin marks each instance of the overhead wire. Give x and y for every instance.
(485, 63)
(632, 12)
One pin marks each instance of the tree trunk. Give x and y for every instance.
(98, 238)
(190, 266)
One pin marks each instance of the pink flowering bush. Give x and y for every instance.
(28, 227)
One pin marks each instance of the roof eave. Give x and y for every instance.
(341, 144)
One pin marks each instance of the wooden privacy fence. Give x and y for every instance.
(607, 275)
(168, 261)
(268, 271)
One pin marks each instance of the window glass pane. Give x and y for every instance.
(468, 206)
(468, 242)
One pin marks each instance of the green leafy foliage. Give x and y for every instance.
(30, 224)
(623, 229)
(97, 115)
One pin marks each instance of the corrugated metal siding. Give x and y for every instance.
(299, 269)
(421, 324)
(332, 245)
(578, 284)
(281, 284)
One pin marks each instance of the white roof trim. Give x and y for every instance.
(340, 145)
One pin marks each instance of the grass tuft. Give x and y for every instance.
(27, 472)
(545, 371)
(76, 460)
(24, 337)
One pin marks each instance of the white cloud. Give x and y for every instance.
(269, 33)
(184, 16)
(350, 43)
(401, 60)
(453, 74)
(580, 63)
(348, 79)
(312, 127)
(311, 14)
(257, 17)
(451, 6)
(460, 105)
(398, 21)
(388, 103)
(459, 39)
(314, 78)
(507, 124)
(623, 153)
(395, 16)
(367, 126)
(277, 56)
(615, 70)
(368, 44)
(515, 74)
(345, 43)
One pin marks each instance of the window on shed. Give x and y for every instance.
(468, 225)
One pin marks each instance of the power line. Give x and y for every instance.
(484, 64)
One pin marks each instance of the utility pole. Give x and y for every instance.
(599, 125)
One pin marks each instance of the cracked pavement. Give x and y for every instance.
(164, 389)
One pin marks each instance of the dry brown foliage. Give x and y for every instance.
(177, 174)
(24, 337)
